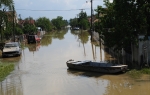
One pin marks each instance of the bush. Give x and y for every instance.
(145, 71)
(137, 73)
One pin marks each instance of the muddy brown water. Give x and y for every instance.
(42, 70)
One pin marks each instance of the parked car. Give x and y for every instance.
(12, 49)
(76, 28)
(33, 39)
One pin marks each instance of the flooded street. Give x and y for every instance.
(42, 70)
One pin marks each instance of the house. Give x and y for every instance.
(23, 22)
(12, 17)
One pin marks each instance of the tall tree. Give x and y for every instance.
(58, 22)
(123, 20)
(4, 5)
(44, 23)
(83, 20)
(29, 29)
(73, 22)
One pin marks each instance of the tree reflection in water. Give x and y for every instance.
(48, 37)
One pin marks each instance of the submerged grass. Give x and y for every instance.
(138, 73)
(5, 70)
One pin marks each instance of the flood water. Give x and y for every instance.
(42, 70)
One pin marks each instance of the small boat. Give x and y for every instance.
(102, 67)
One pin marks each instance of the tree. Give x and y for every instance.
(106, 23)
(44, 23)
(84, 24)
(59, 23)
(29, 29)
(4, 4)
(73, 22)
(18, 31)
(123, 20)
(83, 20)
(7, 3)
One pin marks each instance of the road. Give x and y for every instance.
(42, 70)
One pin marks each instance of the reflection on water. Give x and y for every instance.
(34, 47)
(117, 84)
(48, 37)
(42, 70)
(11, 86)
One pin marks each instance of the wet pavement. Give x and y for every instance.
(42, 70)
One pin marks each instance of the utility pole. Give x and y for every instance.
(91, 28)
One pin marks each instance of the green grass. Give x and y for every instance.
(5, 70)
(145, 71)
(138, 73)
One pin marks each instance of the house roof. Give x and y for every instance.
(21, 22)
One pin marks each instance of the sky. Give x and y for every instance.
(53, 8)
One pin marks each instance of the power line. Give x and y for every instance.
(54, 10)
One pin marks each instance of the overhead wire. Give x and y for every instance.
(54, 10)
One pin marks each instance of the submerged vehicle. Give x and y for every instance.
(33, 39)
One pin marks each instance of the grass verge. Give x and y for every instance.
(5, 70)
(138, 73)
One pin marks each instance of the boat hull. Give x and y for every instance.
(104, 69)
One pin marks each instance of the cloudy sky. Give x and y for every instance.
(53, 8)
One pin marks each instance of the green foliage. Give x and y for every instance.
(6, 3)
(44, 23)
(18, 31)
(134, 73)
(5, 69)
(145, 71)
(138, 73)
(81, 22)
(123, 20)
(59, 23)
(84, 24)
(73, 22)
(29, 29)
(3, 21)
